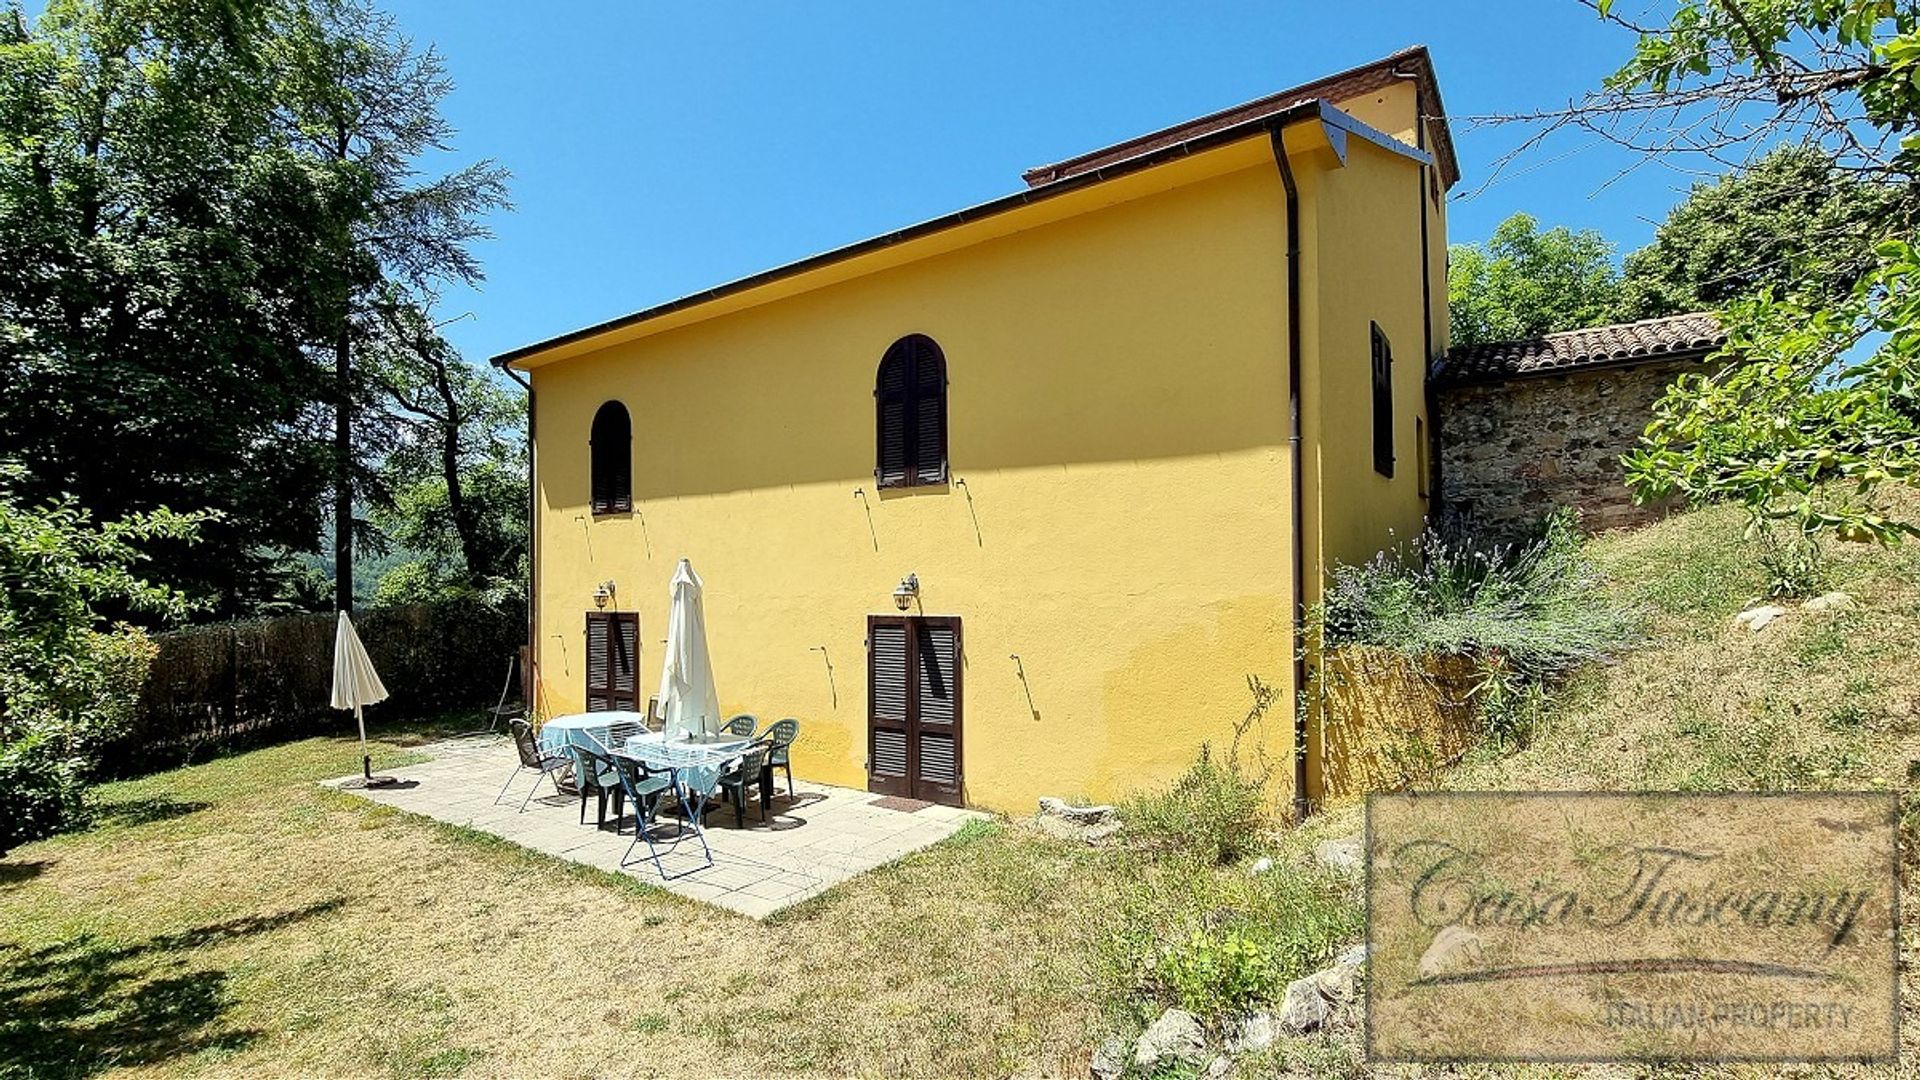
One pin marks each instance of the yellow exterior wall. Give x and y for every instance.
(1362, 259)
(1118, 518)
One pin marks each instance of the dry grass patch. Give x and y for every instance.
(232, 918)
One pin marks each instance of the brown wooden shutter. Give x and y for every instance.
(929, 412)
(936, 699)
(610, 459)
(1382, 403)
(624, 663)
(888, 741)
(613, 660)
(599, 670)
(892, 391)
(911, 397)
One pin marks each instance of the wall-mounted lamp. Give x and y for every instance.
(602, 594)
(905, 592)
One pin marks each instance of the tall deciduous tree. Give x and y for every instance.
(457, 470)
(157, 260)
(1794, 220)
(1524, 282)
(356, 94)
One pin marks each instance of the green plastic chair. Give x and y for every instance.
(780, 736)
(747, 774)
(743, 725)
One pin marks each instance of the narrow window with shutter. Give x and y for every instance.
(610, 459)
(910, 403)
(1382, 403)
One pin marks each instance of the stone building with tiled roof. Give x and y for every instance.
(1528, 425)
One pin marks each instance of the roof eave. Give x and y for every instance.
(1443, 381)
(1339, 127)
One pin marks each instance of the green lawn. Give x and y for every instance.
(232, 917)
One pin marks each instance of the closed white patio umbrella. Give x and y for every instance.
(688, 701)
(355, 686)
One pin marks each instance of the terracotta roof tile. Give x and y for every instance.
(1695, 333)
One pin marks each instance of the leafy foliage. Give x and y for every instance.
(66, 686)
(1219, 973)
(458, 479)
(1525, 282)
(1805, 430)
(1795, 218)
(1822, 410)
(199, 205)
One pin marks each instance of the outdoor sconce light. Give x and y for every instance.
(602, 593)
(905, 592)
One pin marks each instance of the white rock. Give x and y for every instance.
(1340, 983)
(1342, 854)
(1260, 866)
(1256, 1032)
(1833, 601)
(1219, 1067)
(1109, 1059)
(1303, 1009)
(1176, 1035)
(1353, 957)
(1755, 618)
(1080, 815)
(1453, 949)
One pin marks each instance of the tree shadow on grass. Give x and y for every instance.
(19, 873)
(144, 811)
(84, 1005)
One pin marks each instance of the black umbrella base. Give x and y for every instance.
(366, 779)
(374, 782)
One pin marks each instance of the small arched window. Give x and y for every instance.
(611, 449)
(911, 402)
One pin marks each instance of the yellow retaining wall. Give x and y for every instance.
(1387, 721)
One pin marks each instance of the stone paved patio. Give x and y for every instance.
(812, 841)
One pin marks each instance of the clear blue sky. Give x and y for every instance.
(659, 149)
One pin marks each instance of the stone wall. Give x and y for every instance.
(1512, 451)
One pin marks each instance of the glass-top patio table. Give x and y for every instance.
(693, 764)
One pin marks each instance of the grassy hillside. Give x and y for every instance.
(1816, 700)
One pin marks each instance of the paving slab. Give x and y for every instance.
(815, 839)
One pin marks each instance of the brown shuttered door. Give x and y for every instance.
(913, 740)
(936, 709)
(613, 660)
(887, 698)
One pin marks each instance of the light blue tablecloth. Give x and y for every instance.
(697, 765)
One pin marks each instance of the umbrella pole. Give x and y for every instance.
(366, 759)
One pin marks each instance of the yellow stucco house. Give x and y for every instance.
(1017, 501)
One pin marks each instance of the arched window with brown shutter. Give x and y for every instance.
(610, 446)
(910, 398)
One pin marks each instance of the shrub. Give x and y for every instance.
(1214, 812)
(1218, 941)
(66, 685)
(1219, 974)
(1526, 613)
(41, 790)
